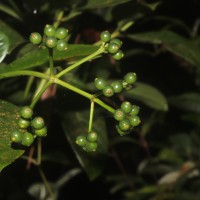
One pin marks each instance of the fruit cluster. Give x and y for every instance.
(109, 90)
(29, 127)
(88, 143)
(127, 117)
(112, 45)
(52, 37)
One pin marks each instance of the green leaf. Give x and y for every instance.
(40, 56)
(149, 95)
(75, 124)
(4, 45)
(152, 6)
(172, 42)
(8, 113)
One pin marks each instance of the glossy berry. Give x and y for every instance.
(119, 114)
(100, 83)
(134, 120)
(35, 38)
(113, 48)
(61, 33)
(124, 125)
(130, 77)
(16, 136)
(105, 36)
(41, 132)
(27, 139)
(49, 30)
(26, 112)
(116, 41)
(81, 140)
(90, 146)
(23, 123)
(108, 91)
(38, 123)
(122, 133)
(61, 45)
(117, 86)
(119, 55)
(51, 42)
(126, 106)
(92, 136)
(134, 110)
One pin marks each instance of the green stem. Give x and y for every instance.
(91, 115)
(28, 86)
(90, 57)
(51, 64)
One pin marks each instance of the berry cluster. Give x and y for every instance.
(116, 86)
(52, 37)
(112, 45)
(88, 143)
(127, 117)
(29, 128)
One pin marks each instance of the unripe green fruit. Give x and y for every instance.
(38, 122)
(124, 125)
(119, 114)
(35, 38)
(41, 132)
(26, 112)
(61, 45)
(134, 110)
(116, 41)
(27, 139)
(105, 36)
(90, 146)
(92, 136)
(122, 133)
(126, 106)
(134, 120)
(119, 55)
(108, 91)
(117, 86)
(16, 136)
(130, 77)
(113, 48)
(49, 30)
(100, 83)
(51, 42)
(23, 123)
(61, 33)
(81, 140)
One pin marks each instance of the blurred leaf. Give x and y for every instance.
(8, 153)
(152, 6)
(149, 95)
(4, 45)
(75, 124)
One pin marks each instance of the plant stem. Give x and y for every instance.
(91, 115)
(91, 56)
(51, 65)
(28, 87)
(39, 151)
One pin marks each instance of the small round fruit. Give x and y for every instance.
(126, 106)
(27, 139)
(116, 41)
(130, 77)
(92, 136)
(122, 133)
(26, 112)
(51, 42)
(81, 140)
(23, 123)
(90, 146)
(35, 38)
(41, 132)
(108, 91)
(49, 30)
(38, 123)
(16, 136)
(134, 120)
(124, 125)
(100, 83)
(117, 86)
(134, 110)
(61, 33)
(105, 36)
(61, 45)
(119, 55)
(113, 48)
(119, 114)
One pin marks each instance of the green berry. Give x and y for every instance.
(92, 136)
(81, 140)
(124, 125)
(134, 120)
(49, 30)
(126, 106)
(134, 110)
(23, 123)
(35, 38)
(41, 132)
(26, 112)
(119, 114)
(130, 77)
(117, 86)
(38, 123)
(119, 55)
(113, 48)
(122, 133)
(51, 42)
(108, 91)
(27, 139)
(100, 83)
(61, 45)
(125, 84)
(16, 136)
(116, 41)
(61, 33)
(90, 146)
(105, 36)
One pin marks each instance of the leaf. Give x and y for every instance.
(172, 42)
(40, 56)
(4, 45)
(75, 124)
(149, 95)
(152, 6)
(8, 113)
